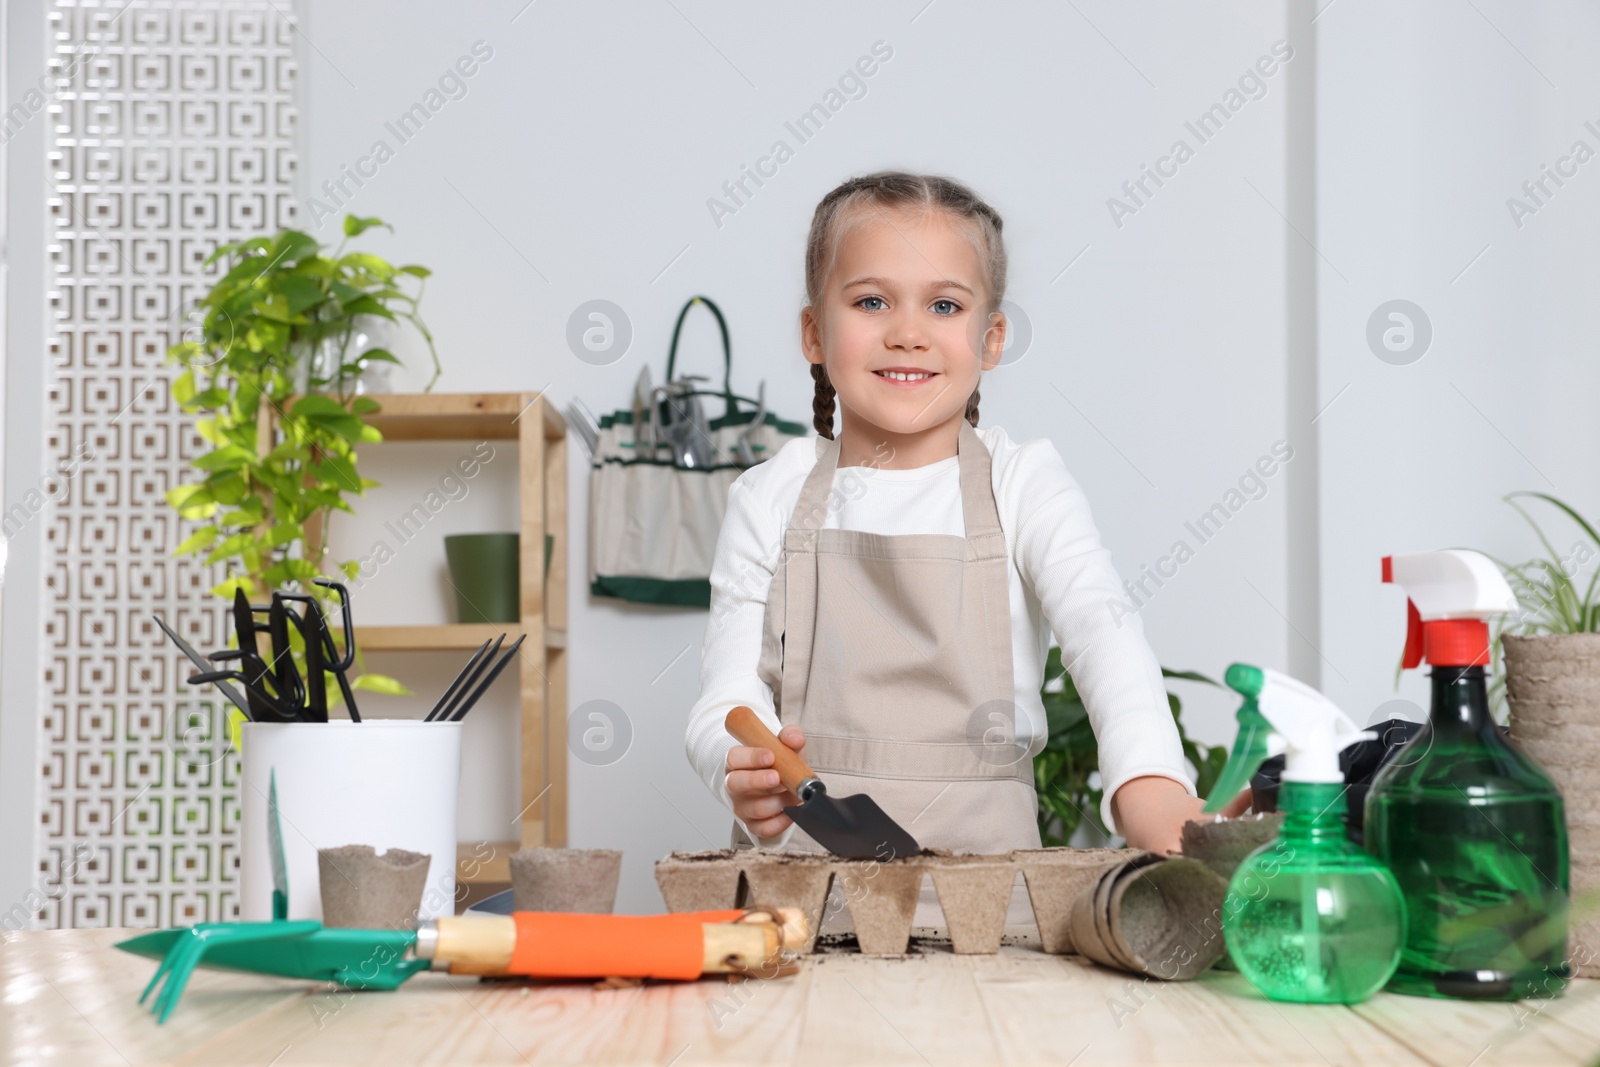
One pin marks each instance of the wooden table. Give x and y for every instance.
(67, 997)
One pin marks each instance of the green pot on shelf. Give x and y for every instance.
(486, 573)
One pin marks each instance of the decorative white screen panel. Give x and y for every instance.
(172, 130)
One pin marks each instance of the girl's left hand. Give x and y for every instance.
(1151, 811)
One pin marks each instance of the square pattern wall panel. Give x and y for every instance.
(172, 130)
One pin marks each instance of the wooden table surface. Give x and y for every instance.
(67, 997)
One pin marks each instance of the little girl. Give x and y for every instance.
(884, 598)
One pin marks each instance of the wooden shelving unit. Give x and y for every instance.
(541, 434)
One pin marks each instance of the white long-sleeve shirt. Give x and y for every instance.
(1061, 580)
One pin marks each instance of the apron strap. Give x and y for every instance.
(980, 514)
(979, 511)
(811, 509)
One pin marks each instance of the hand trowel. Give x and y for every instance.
(853, 827)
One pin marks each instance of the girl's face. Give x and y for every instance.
(901, 324)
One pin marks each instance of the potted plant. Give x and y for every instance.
(270, 371)
(1067, 771)
(1552, 683)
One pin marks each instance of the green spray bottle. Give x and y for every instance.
(1473, 829)
(1249, 744)
(1311, 917)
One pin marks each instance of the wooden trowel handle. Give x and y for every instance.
(748, 729)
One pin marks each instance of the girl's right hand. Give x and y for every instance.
(758, 797)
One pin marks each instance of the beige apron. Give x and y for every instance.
(900, 671)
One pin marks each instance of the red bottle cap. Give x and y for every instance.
(1442, 642)
(1456, 642)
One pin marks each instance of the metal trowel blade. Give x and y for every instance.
(853, 827)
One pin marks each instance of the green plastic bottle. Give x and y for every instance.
(1311, 917)
(1249, 744)
(1473, 829)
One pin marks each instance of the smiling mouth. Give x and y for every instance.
(906, 377)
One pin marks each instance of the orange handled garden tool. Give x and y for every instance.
(540, 944)
(532, 944)
(852, 826)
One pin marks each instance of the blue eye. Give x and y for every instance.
(864, 299)
(954, 307)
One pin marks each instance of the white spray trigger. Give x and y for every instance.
(1308, 728)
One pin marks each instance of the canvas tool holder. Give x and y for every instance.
(659, 479)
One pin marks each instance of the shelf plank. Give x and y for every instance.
(431, 638)
(463, 416)
(446, 636)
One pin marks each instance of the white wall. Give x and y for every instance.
(1430, 116)
(1189, 340)
(579, 164)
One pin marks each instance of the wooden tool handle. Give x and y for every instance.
(476, 944)
(748, 729)
(793, 928)
(790, 921)
(736, 947)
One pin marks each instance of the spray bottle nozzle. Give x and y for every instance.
(1449, 595)
(1308, 728)
(1245, 679)
(1249, 744)
(1319, 760)
(1282, 715)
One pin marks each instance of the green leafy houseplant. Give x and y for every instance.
(1062, 771)
(270, 374)
(1545, 589)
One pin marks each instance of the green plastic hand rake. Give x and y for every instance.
(356, 959)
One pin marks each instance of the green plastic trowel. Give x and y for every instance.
(1249, 745)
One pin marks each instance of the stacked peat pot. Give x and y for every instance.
(1134, 910)
(1553, 685)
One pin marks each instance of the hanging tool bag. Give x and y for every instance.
(658, 486)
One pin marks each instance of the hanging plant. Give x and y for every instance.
(270, 374)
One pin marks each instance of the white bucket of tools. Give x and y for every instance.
(388, 783)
